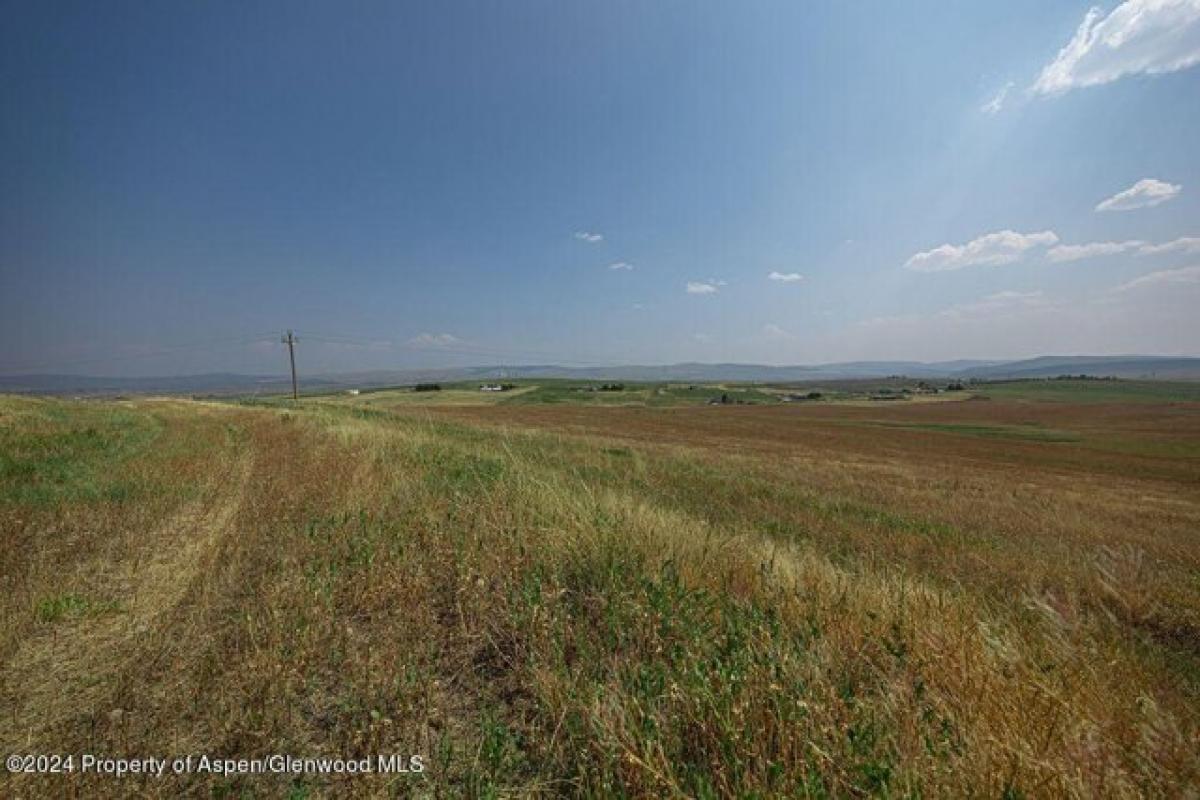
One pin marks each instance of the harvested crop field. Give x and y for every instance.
(1125, 439)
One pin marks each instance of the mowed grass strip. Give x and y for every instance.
(548, 615)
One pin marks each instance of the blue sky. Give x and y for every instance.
(410, 184)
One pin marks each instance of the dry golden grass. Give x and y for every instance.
(981, 598)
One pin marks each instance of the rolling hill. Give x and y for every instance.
(1132, 366)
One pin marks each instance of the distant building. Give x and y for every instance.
(352, 391)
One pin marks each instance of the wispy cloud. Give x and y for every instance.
(1009, 296)
(433, 340)
(1146, 193)
(701, 287)
(591, 238)
(1008, 301)
(1184, 244)
(997, 305)
(1137, 37)
(1018, 323)
(1077, 252)
(1165, 276)
(992, 249)
(785, 277)
(773, 331)
(994, 105)
(621, 265)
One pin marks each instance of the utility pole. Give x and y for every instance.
(290, 340)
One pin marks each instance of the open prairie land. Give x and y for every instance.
(570, 595)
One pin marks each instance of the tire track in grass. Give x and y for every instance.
(73, 669)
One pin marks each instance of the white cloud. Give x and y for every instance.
(1076, 252)
(700, 287)
(703, 338)
(433, 340)
(1020, 324)
(1184, 244)
(1146, 193)
(1002, 247)
(1165, 276)
(1137, 37)
(998, 303)
(991, 307)
(1010, 296)
(785, 277)
(590, 238)
(994, 105)
(773, 331)
(621, 265)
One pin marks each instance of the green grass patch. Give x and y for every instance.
(53, 452)
(72, 606)
(655, 395)
(1031, 433)
(579, 393)
(713, 686)
(1093, 391)
(458, 473)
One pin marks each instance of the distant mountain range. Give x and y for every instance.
(1158, 367)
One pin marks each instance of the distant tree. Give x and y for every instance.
(427, 387)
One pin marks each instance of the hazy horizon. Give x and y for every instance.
(945, 368)
(594, 184)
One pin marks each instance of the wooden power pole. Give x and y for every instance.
(290, 340)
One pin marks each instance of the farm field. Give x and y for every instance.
(1095, 391)
(561, 392)
(673, 394)
(549, 592)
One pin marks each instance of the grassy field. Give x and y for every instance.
(556, 392)
(1093, 391)
(859, 391)
(549, 592)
